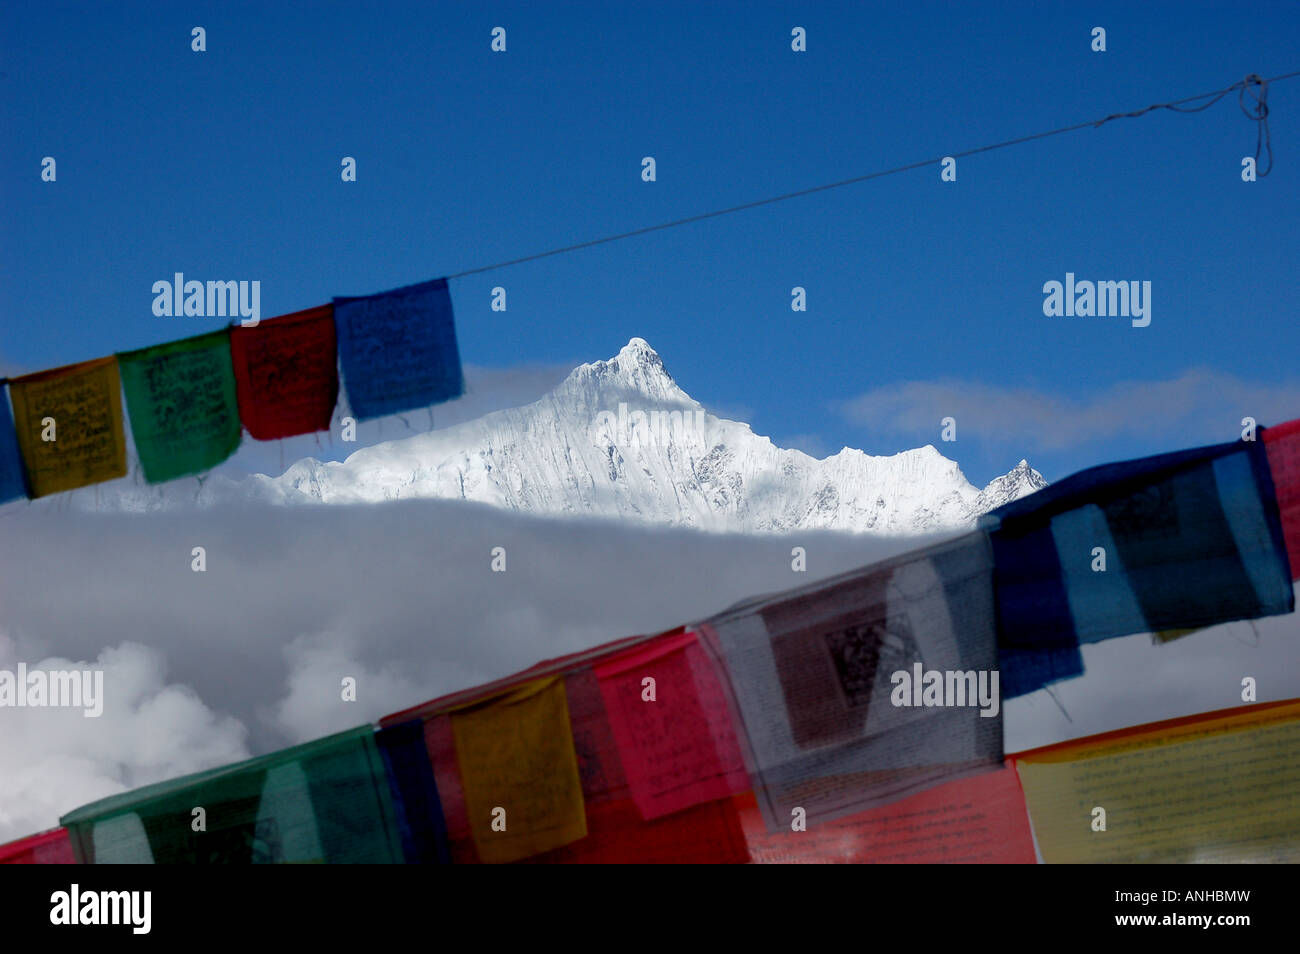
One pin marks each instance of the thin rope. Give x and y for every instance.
(1259, 113)
(1242, 85)
(1048, 690)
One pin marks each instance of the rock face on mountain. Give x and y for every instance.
(620, 439)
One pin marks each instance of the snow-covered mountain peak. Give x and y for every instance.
(619, 439)
(1014, 484)
(636, 372)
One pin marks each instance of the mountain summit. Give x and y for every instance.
(619, 439)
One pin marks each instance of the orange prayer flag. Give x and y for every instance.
(519, 772)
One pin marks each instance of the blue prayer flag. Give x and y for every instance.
(1176, 541)
(398, 349)
(415, 793)
(12, 482)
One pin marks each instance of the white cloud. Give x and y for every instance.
(315, 705)
(54, 759)
(1132, 680)
(1199, 405)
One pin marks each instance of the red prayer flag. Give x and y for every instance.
(616, 833)
(978, 819)
(440, 742)
(48, 848)
(709, 833)
(286, 373)
(674, 730)
(1283, 446)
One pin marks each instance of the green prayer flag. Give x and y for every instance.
(326, 801)
(180, 398)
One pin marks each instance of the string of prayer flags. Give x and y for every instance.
(398, 349)
(1177, 541)
(1222, 787)
(181, 398)
(706, 833)
(668, 713)
(69, 426)
(286, 373)
(416, 804)
(518, 771)
(861, 690)
(1282, 443)
(326, 801)
(12, 482)
(976, 820)
(47, 848)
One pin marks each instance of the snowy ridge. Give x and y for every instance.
(619, 439)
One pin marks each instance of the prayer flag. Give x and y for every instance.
(707, 833)
(1028, 670)
(519, 772)
(1282, 444)
(416, 804)
(441, 746)
(286, 373)
(181, 399)
(595, 750)
(976, 820)
(47, 848)
(1178, 541)
(1222, 787)
(669, 715)
(12, 482)
(326, 801)
(811, 672)
(69, 424)
(398, 349)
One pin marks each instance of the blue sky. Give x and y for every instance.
(923, 296)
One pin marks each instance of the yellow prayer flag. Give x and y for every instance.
(519, 771)
(1223, 787)
(69, 425)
